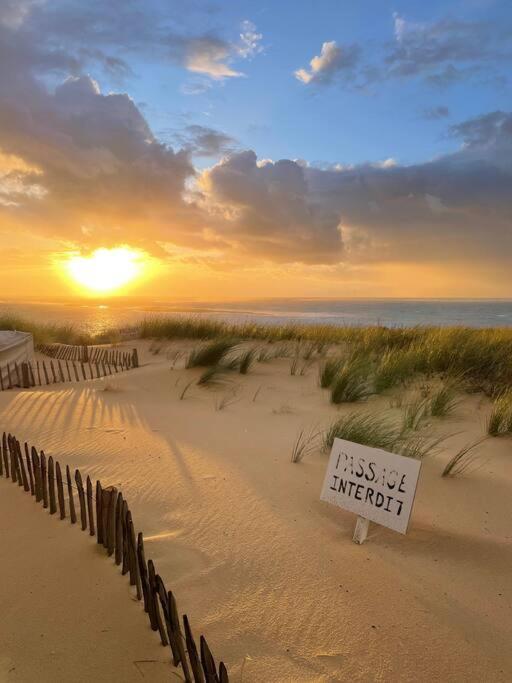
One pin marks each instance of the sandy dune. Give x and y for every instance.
(267, 571)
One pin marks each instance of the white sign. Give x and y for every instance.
(372, 483)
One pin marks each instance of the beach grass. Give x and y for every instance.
(482, 356)
(211, 353)
(367, 429)
(350, 383)
(463, 459)
(499, 422)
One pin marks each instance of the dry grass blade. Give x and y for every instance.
(227, 400)
(463, 459)
(305, 443)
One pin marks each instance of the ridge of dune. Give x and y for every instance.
(267, 571)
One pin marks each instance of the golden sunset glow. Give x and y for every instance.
(106, 270)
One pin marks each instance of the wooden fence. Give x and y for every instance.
(105, 513)
(39, 373)
(85, 354)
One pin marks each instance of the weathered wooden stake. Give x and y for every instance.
(60, 491)
(30, 473)
(51, 485)
(192, 652)
(90, 507)
(119, 529)
(44, 479)
(25, 378)
(72, 513)
(99, 514)
(81, 498)
(36, 467)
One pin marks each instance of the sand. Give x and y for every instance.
(263, 568)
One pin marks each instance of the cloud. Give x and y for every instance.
(83, 167)
(492, 130)
(454, 208)
(436, 113)
(106, 35)
(446, 51)
(267, 210)
(204, 141)
(250, 40)
(332, 62)
(209, 56)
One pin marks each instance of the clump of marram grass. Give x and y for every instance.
(246, 360)
(305, 443)
(328, 371)
(499, 422)
(394, 367)
(418, 447)
(442, 402)
(211, 353)
(463, 459)
(350, 384)
(414, 412)
(365, 428)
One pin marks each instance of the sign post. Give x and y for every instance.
(376, 485)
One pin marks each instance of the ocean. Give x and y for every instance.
(95, 317)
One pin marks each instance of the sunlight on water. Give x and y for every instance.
(96, 318)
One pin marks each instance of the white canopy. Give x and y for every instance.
(15, 347)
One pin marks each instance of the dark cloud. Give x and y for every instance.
(489, 130)
(448, 50)
(207, 142)
(453, 208)
(269, 211)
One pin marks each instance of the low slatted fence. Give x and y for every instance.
(85, 354)
(105, 513)
(40, 373)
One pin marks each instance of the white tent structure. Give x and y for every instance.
(15, 347)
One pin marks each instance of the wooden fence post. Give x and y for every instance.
(195, 662)
(90, 507)
(25, 377)
(119, 529)
(44, 479)
(60, 491)
(51, 485)
(30, 473)
(81, 498)
(178, 638)
(135, 359)
(36, 466)
(22, 465)
(99, 514)
(72, 513)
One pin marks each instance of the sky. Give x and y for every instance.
(253, 149)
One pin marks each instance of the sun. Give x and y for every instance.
(106, 270)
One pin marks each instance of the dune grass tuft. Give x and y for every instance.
(443, 401)
(414, 413)
(210, 354)
(328, 371)
(500, 419)
(246, 360)
(365, 428)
